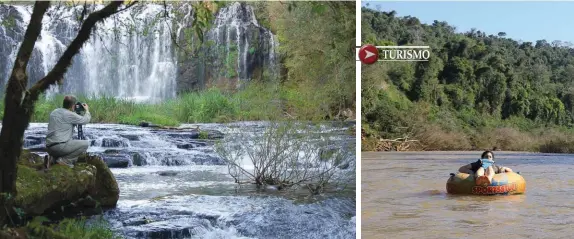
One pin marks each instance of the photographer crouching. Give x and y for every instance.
(59, 142)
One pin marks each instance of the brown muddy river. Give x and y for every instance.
(404, 196)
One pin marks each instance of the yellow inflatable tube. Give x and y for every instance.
(502, 183)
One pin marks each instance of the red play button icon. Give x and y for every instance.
(368, 54)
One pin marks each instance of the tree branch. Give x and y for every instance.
(125, 8)
(66, 59)
(25, 52)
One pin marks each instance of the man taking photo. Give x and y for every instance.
(59, 142)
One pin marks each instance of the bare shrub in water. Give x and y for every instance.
(287, 155)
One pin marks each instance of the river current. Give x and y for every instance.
(178, 187)
(404, 196)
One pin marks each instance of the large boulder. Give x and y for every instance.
(49, 191)
(106, 189)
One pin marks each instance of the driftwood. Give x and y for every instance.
(398, 144)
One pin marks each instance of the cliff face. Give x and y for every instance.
(235, 49)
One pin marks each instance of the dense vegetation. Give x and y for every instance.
(317, 80)
(253, 103)
(477, 91)
(316, 42)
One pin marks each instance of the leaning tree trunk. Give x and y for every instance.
(10, 139)
(19, 102)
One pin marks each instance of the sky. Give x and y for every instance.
(526, 21)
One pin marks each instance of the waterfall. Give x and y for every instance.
(131, 54)
(237, 29)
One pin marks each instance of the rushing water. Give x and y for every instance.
(132, 54)
(404, 196)
(183, 190)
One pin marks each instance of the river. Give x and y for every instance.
(183, 190)
(404, 196)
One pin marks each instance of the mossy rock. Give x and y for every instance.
(41, 191)
(106, 189)
(31, 160)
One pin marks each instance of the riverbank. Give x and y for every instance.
(47, 200)
(422, 127)
(68, 228)
(257, 102)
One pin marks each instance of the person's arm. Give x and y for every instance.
(505, 170)
(74, 118)
(466, 169)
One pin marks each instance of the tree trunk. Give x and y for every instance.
(10, 139)
(19, 103)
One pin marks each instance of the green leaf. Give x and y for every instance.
(319, 8)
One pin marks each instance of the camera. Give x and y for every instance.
(79, 108)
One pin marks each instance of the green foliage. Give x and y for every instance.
(71, 228)
(256, 101)
(312, 82)
(203, 135)
(147, 116)
(8, 22)
(83, 229)
(472, 81)
(210, 106)
(202, 18)
(319, 75)
(231, 64)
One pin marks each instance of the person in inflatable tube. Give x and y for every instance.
(484, 169)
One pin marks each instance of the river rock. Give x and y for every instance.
(185, 146)
(167, 173)
(116, 161)
(196, 134)
(42, 192)
(184, 135)
(137, 159)
(113, 143)
(176, 160)
(120, 158)
(214, 134)
(31, 141)
(130, 137)
(191, 145)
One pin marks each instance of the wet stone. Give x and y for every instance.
(116, 161)
(113, 143)
(167, 173)
(130, 137)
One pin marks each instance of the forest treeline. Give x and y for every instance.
(477, 90)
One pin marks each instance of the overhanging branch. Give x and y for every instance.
(66, 59)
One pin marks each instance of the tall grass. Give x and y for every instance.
(80, 228)
(96, 228)
(257, 101)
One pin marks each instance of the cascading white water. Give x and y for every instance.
(236, 27)
(131, 54)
